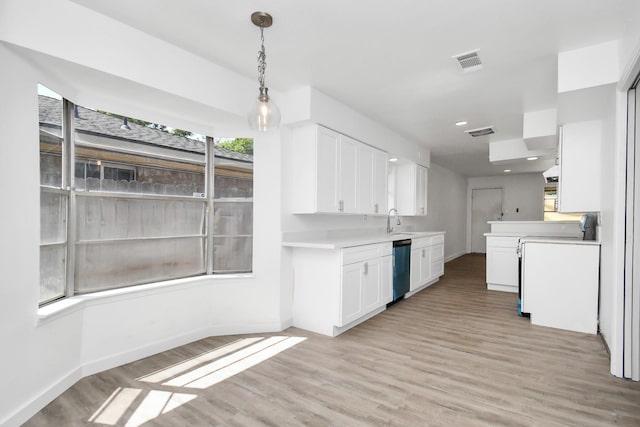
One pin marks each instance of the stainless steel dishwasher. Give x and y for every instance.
(401, 268)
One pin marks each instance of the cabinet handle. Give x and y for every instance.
(423, 253)
(422, 210)
(365, 268)
(341, 205)
(375, 208)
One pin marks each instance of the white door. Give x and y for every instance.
(486, 205)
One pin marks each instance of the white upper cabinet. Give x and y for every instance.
(347, 164)
(579, 178)
(325, 168)
(410, 182)
(372, 180)
(333, 173)
(380, 164)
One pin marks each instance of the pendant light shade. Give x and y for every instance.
(264, 114)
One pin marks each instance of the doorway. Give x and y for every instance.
(631, 308)
(486, 205)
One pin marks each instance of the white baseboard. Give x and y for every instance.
(454, 256)
(24, 413)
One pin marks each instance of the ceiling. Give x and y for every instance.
(392, 60)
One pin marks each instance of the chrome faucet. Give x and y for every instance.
(389, 227)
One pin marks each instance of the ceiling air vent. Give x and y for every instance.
(468, 61)
(481, 131)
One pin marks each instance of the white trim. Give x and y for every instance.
(630, 73)
(54, 390)
(455, 255)
(70, 305)
(24, 413)
(616, 340)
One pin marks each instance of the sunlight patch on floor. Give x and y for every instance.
(157, 403)
(200, 372)
(184, 366)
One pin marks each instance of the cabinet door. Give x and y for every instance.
(437, 261)
(326, 170)
(421, 190)
(351, 293)
(502, 266)
(365, 179)
(411, 189)
(371, 276)
(347, 165)
(416, 254)
(380, 179)
(579, 179)
(386, 280)
(425, 265)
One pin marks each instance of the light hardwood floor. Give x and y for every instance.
(454, 354)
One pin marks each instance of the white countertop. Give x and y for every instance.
(530, 234)
(338, 242)
(560, 240)
(532, 222)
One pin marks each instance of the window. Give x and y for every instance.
(53, 198)
(140, 203)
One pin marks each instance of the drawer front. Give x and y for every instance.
(437, 239)
(387, 249)
(361, 253)
(502, 242)
(421, 242)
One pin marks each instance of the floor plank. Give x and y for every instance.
(454, 354)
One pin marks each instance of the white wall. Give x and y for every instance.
(447, 207)
(522, 192)
(42, 359)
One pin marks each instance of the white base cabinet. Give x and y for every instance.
(335, 290)
(502, 263)
(427, 261)
(560, 285)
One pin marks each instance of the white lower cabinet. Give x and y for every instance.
(335, 290)
(427, 261)
(502, 263)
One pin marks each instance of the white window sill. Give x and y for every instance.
(67, 306)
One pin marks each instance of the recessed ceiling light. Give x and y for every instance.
(532, 158)
(461, 123)
(393, 159)
(507, 170)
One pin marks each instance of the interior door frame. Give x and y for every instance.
(616, 339)
(470, 211)
(631, 294)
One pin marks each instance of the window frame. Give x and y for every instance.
(69, 133)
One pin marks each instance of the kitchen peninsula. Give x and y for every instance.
(502, 244)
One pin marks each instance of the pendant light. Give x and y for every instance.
(264, 115)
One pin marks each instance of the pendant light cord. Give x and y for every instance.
(262, 60)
